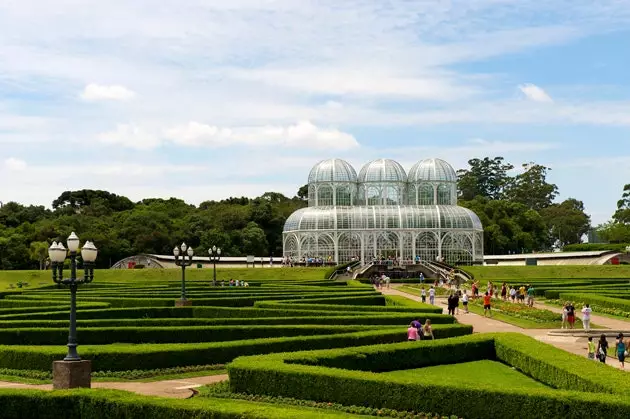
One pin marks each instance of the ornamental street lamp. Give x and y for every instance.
(215, 254)
(184, 263)
(57, 254)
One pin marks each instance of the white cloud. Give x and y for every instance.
(93, 92)
(303, 134)
(535, 93)
(130, 136)
(15, 165)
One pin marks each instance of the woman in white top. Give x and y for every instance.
(586, 317)
(465, 301)
(565, 316)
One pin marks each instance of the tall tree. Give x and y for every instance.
(622, 215)
(531, 188)
(38, 252)
(487, 177)
(567, 221)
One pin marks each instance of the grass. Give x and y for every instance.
(37, 279)
(485, 373)
(416, 290)
(163, 377)
(519, 273)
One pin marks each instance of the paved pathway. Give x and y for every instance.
(177, 388)
(481, 324)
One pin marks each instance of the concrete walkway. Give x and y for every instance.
(177, 388)
(481, 324)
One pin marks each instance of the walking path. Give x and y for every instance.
(177, 388)
(573, 344)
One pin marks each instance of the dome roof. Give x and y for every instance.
(445, 217)
(436, 170)
(382, 170)
(332, 170)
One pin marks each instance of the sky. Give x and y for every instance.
(209, 99)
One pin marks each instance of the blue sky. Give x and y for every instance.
(209, 99)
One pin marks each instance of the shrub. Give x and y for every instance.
(331, 307)
(121, 357)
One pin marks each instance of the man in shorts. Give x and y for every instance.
(487, 304)
(530, 296)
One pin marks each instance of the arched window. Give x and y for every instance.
(425, 194)
(324, 196)
(343, 195)
(444, 194)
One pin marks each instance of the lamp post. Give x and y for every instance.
(72, 371)
(215, 254)
(184, 263)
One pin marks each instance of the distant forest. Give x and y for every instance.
(519, 214)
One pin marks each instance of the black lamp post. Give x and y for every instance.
(215, 254)
(184, 263)
(57, 254)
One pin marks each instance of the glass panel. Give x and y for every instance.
(324, 195)
(425, 194)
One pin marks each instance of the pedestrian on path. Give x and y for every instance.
(586, 317)
(504, 291)
(602, 348)
(591, 348)
(432, 296)
(621, 350)
(465, 301)
(530, 296)
(423, 295)
(571, 315)
(487, 305)
(565, 315)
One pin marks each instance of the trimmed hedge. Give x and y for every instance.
(364, 319)
(603, 301)
(122, 357)
(191, 334)
(111, 404)
(330, 307)
(340, 376)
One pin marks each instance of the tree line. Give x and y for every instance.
(517, 208)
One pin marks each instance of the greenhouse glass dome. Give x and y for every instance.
(383, 213)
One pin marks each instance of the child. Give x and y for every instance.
(412, 333)
(565, 316)
(423, 295)
(591, 348)
(465, 302)
(427, 330)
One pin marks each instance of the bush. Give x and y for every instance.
(122, 357)
(593, 247)
(359, 308)
(340, 376)
(93, 404)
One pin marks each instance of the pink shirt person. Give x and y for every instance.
(412, 333)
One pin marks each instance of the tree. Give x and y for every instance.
(254, 240)
(622, 215)
(302, 193)
(38, 251)
(73, 201)
(531, 188)
(487, 178)
(567, 221)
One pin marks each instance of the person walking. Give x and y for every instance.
(427, 330)
(412, 333)
(451, 304)
(602, 349)
(591, 348)
(504, 291)
(487, 304)
(465, 302)
(423, 295)
(571, 315)
(621, 350)
(586, 317)
(565, 323)
(432, 295)
(530, 296)
(513, 294)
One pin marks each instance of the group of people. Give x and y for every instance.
(380, 281)
(507, 292)
(568, 316)
(601, 350)
(418, 331)
(235, 283)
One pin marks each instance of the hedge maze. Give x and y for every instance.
(136, 326)
(571, 386)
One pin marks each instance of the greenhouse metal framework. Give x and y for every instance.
(383, 213)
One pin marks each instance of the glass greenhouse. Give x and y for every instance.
(383, 213)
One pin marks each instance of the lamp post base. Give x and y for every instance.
(72, 374)
(183, 303)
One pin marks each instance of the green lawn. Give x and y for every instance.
(489, 374)
(42, 278)
(517, 273)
